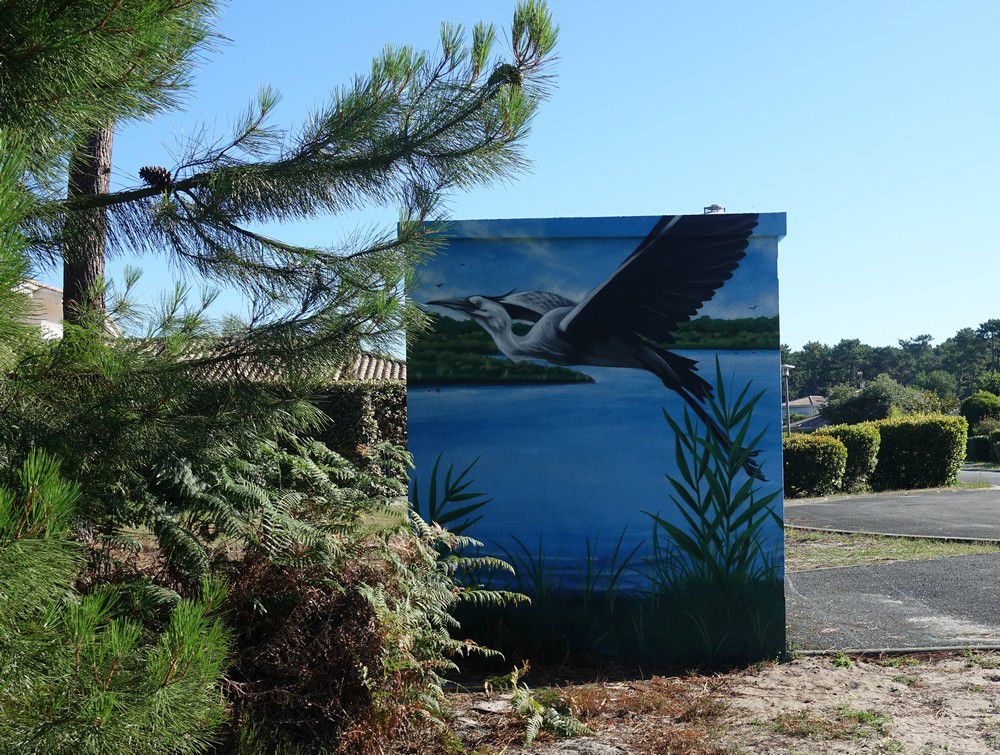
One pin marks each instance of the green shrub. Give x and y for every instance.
(989, 382)
(362, 415)
(920, 452)
(883, 397)
(981, 405)
(979, 448)
(814, 465)
(993, 440)
(862, 443)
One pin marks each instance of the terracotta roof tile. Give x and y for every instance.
(364, 367)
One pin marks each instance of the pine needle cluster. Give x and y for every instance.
(82, 674)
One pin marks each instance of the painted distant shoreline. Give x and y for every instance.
(454, 352)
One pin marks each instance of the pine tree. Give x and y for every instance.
(195, 433)
(131, 417)
(414, 127)
(79, 675)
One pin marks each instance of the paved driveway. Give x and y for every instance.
(988, 476)
(954, 512)
(942, 602)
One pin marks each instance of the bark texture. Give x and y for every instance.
(86, 231)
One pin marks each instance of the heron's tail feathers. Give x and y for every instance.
(686, 371)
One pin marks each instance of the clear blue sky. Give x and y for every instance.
(874, 125)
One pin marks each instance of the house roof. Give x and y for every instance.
(33, 285)
(806, 402)
(372, 367)
(363, 366)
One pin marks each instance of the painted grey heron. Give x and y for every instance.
(630, 318)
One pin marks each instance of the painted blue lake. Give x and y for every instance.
(569, 462)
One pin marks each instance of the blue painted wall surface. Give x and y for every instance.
(577, 462)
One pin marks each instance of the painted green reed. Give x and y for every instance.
(449, 502)
(717, 565)
(726, 512)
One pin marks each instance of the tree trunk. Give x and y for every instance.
(86, 232)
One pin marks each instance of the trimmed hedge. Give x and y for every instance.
(862, 442)
(814, 465)
(979, 406)
(993, 440)
(979, 448)
(924, 451)
(362, 414)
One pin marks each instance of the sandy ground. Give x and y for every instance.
(947, 703)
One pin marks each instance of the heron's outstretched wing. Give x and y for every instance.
(679, 266)
(531, 305)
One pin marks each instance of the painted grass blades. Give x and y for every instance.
(719, 550)
(454, 507)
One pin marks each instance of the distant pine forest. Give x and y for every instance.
(456, 352)
(741, 333)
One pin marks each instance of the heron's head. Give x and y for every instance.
(485, 310)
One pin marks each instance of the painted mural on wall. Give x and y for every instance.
(597, 401)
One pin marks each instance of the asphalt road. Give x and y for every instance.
(956, 512)
(942, 602)
(989, 476)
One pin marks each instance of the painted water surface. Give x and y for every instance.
(565, 463)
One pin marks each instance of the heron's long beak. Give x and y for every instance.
(462, 305)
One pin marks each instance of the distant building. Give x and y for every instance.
(45, 311)
(807, 405)
(45, 307)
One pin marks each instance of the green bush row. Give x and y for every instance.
(814, 465)
(862, 442)
(920, 451)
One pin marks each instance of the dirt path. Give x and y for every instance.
(923, 704)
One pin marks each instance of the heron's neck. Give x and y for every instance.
(503, 336)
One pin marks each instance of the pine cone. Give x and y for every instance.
(155, 176)
(505, 73)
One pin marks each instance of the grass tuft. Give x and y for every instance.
(806, 549)
(841, 722)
